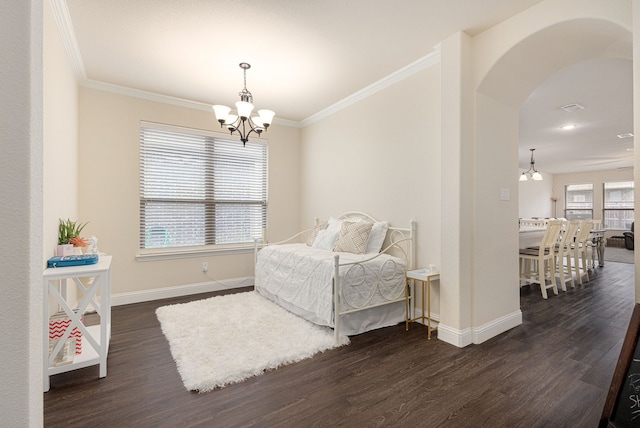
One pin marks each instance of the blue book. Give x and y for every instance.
(75, 260)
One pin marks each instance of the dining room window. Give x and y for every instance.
(618, 205)
(578, 201)
(197, 189)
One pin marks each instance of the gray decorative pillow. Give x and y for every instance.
(353, 237)
(317, 228)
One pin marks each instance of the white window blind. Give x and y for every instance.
(578, 201)
(198, 190)
(618, 213)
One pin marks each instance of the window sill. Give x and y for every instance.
(173, 253)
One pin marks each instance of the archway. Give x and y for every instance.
(507, 64)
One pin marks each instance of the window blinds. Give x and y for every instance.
(196, 189)
(618, 210)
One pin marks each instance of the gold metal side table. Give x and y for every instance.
(425, 277)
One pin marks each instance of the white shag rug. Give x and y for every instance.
(227, 339)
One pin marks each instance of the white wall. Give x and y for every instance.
(109, 193)
(60, 142)
(356, 160)
(535, 198)
(495, 295)
(457, 187)
(21, 213)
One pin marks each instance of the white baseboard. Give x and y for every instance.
(476, 335)
(497, 326)
(455, 337)
(179, 290)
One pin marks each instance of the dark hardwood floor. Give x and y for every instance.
(552, 371)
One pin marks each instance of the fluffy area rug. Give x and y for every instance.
(227, 339)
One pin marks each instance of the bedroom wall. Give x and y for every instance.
(60, 135)
(109, 198)
(60, 141)
(380, 157)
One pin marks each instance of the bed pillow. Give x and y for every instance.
(314, 233)
(376, 237)
(326, 239)
(353, 237)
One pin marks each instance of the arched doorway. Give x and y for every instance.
(504, 69)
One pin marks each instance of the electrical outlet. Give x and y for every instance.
(205, 266)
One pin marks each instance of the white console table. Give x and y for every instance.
(93, 283)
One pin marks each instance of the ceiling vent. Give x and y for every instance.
(572, 108)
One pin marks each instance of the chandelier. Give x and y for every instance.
(532, 171)
(241, 120)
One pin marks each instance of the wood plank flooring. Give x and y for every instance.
(553, 370)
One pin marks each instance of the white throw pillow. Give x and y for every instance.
(376, 237)
(314, 233)
(326, 238)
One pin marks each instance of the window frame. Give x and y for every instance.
(185, 251)
(605, 208)
(590, 210)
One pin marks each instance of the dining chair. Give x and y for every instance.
(592, 251)
(563, 253)
(538, 264)
(579, 248)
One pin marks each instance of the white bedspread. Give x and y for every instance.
(302, 276)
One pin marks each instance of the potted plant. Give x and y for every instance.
(69, 237)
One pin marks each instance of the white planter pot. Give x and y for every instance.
(65, 250)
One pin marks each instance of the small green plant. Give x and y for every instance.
(68, 230)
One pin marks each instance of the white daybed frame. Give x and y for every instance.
(399, 242)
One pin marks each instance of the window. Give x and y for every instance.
(578, 201)
(199, 190)
(618, 205)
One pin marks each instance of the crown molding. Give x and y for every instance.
(144, 95)
(395, 77)
(164, 99)
(67, 33)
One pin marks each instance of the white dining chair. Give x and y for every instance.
(538, 264)
(579, 249)
(563, 253)
(592, 252)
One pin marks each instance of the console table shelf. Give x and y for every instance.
(93, 286)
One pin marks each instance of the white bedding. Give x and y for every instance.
(296, 275)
